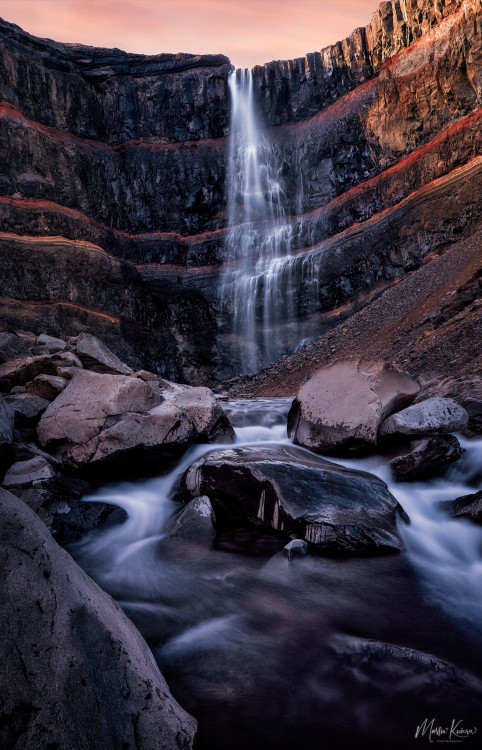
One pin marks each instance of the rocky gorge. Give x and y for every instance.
(281, 516)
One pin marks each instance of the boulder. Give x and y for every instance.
(284, 490)
(34, 471)
(117, 419)
(295, 548)
(468, 506)
(46, 386)
(51, 343)
(75, 671)
(21, 371)
(12, 347)
(95, 356)
(195, 521)
(6, 425)
(340, 408)
(433, 416)
(27, 408)
(426, 457)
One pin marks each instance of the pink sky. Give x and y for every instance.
(249, 32)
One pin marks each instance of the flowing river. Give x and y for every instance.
(248, 641)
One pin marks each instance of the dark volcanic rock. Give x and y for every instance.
(27, 408)
(46, 386)
(426, 457)
(6, 425)
(340, 408)
(76, 673)
(287, 492)
(12, 347)
(195, 521)
(468, 506)
(125, 421)
(96, 356)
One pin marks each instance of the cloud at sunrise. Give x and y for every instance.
(249, 32)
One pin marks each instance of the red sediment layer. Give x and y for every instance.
(12, 112)
(12, 302)
(44, 205)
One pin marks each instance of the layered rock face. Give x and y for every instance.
(113, 195)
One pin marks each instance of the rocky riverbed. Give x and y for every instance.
(283, 595)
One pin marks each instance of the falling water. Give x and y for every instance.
(255, 289)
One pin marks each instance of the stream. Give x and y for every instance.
(250, 643)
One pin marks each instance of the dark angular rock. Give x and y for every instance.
(76, 673)
(426, 457)
(46, 386)
(51, 343)
(12, 347)
(6, 425)
(295, 548)
(468, 506)
(96, 356)
(285, 491)
(27, 408)
(195, 521)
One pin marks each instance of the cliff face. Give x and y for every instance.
(113, 178)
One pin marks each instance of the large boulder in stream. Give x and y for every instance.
(101, 419)
(429, 417)
(340, 408)
(288, 492)
(75, 672)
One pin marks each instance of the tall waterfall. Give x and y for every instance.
(255, 288)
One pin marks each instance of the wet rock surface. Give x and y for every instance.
(468, 506)
(76, 671)
(426, 457)
(285, 491)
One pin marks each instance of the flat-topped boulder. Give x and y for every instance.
(116, 418)
(429, 417)
(286, 491)
(340, 408)
(75, 671)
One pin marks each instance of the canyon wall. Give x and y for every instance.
(113, 178)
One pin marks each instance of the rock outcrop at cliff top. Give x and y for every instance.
(115, 207)
(75, 671)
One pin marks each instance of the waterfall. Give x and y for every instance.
(256, 289)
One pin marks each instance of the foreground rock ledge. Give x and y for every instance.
(340, 408)
(75, 672)
(112, 418)
(286, 491)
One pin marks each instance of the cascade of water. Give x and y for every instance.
(256, 287)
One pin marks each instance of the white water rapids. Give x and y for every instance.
(445, 553)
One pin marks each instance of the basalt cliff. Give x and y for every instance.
(113, 196)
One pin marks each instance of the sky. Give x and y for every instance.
(249, 32)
